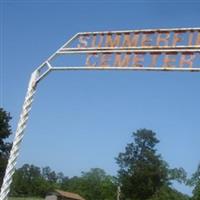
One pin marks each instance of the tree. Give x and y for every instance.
(167, 193)
(195, 182)
(196, 192)
(178, 174)
(5, 132)
(94, 184)
(49, 175)
(98, 185)
(142, 171)
(28, 181)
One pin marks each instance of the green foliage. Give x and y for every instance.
(196, 192)
(167, 193)
(49, 175)
(195, 182)
(5, 132)
(142, 171)
(178, 174)
(30, 181)
(95, 184)
(24, 198)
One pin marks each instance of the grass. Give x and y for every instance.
(24, 198)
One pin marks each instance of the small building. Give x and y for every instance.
(62, 195)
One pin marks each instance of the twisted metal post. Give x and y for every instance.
(19, 136)
(36, 76)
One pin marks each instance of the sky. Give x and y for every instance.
(83, 119)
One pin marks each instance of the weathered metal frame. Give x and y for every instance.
(46, 67)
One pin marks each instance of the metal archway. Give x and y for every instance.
(175, 49)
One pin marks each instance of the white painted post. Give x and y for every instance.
(18, 136)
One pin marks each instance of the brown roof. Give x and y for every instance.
(69, 195)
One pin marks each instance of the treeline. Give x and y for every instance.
(143, 174)
(30, 181)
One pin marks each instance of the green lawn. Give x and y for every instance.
(28, 198)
